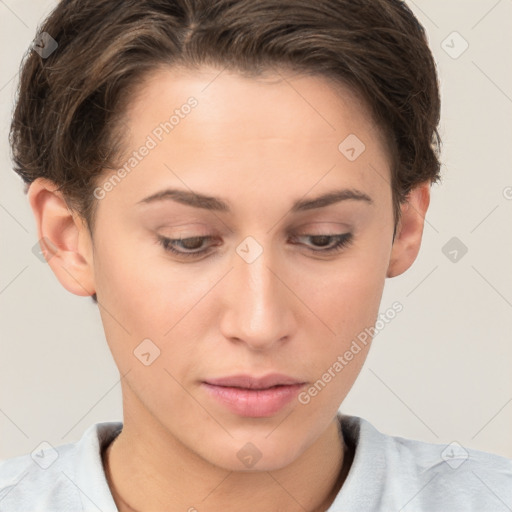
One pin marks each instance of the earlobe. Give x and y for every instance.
(63, 237)
(410, 230)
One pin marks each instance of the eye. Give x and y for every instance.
(193, 245)
(336, 242)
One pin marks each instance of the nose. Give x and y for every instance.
(258, 308)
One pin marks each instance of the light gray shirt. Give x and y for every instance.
(388, 474)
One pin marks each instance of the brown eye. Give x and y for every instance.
(188, 244)
(192, 246)
(340, 242)
(191, 243)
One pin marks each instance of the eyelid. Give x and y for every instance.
(343, 240)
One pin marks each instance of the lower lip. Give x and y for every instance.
(254, 403)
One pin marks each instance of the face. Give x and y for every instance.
(254, 279)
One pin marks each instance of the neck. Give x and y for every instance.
(310, 483)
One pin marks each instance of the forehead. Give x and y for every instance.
(276, 103)
(278, 129)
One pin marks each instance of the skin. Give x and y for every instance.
(259, 144)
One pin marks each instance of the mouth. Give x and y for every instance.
(250, 382)
(254, 397)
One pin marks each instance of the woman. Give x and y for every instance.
(232, 182)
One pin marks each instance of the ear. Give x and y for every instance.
(409, 230)
(63, 237)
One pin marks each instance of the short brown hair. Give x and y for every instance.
(66, 122)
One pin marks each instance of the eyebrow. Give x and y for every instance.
(205, 202)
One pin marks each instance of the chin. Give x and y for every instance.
(255, 454)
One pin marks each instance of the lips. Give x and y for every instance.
(254, 397)
(250, 382)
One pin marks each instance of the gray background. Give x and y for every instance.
(440, 371)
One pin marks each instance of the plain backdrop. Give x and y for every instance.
(439, 372)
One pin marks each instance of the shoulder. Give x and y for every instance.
(58, 478)
(451, 474)
(408, 474)
(42, 476)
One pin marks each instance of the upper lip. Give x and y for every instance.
(250, 382)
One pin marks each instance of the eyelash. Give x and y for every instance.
(343, 241)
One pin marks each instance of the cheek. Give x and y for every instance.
(127, 292)
(160, 301)
(134, 285)
(349, 305)
(348, 295)
(347, 301)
